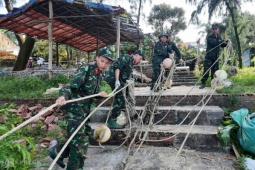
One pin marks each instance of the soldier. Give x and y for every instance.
(214, 42)
(174, 48)
(117, 75)
(161, 52)
(86, 81)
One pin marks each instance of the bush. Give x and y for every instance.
(14, 155)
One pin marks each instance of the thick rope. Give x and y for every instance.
(193, 121)
(115, 91)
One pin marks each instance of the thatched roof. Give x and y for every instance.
(7, 47)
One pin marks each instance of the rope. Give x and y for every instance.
(42, 113)
(192, 122)
(230, 48)
(84, 121)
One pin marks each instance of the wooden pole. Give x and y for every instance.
(57, 54)
(118, 37)
(97, 43)
(88, 56)
(50, 39)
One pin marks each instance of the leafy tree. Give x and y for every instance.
(26, 43)
(164, 14)
(137, 3)
(230, 7)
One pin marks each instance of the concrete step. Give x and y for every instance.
(169, 97)
(202, 138)
(211, 115)
(183, 83)
(152, 158)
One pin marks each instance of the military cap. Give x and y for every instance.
(163, 34)
(215, 25)
(105, 52)
(140, 52)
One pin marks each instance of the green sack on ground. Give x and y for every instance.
(246, 131)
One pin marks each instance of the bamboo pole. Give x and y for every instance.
(50, 39)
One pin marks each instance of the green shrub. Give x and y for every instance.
(14, 155)
(28, 87)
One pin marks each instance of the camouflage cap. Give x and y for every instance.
(105, 52)
(163, 34)
(140, 52)
(215, 25)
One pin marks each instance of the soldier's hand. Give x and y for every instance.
(181, 60)
(61, 101)
(131, 79)
(103, 94)
(226, 41)
(117, 84)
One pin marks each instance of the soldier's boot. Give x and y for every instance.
(202, 86)
(112, 124)
(53, 154)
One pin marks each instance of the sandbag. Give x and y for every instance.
(246, 131)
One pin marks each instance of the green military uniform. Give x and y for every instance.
(124, 64)
(212, 54)
(161, 52)
(86, 81)
(174, 48)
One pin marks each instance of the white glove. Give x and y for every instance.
(117, 84)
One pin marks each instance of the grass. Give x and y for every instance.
(12, 87)
(243, 82)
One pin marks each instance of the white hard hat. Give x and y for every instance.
(217, 83)
(221, 74)
(102, 134)
(167, 63)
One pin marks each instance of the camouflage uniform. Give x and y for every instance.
(124, 64)
(173, 47)
(161, 52)
(86, 81)
(212, 54)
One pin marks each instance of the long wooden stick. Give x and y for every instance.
(41, 113)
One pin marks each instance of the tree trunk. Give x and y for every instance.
(9, 8)
(24, 53)
(231, 10)
(139, 12)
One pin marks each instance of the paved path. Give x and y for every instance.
(157, 158)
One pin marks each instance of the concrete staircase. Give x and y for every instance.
(201, 150)
(202, 136)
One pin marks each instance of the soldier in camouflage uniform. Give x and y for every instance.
(174, 48)
(117, 75)
(214, 42)
(161, 52)
(86, 81)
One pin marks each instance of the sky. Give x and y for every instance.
(191, 34)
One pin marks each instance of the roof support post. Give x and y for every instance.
(97, 43)
(57, 54)
(50, 39)
(118, 37)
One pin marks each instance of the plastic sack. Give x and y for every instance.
(246, 131)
